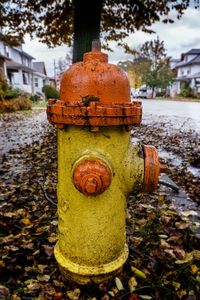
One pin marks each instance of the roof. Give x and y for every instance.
(14, 65)
(39, 67)
(193, 51)
(193, 61)
(25, 53)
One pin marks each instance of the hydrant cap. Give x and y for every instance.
(95, 77)
(92, 177)
(94, 93)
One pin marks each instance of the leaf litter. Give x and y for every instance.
(164, 257)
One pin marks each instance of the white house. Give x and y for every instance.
(18, 67)
(39, 77)
(18, 63)
(188, 71)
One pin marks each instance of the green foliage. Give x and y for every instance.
(13, 93)
(50, 92)
(37, 97)
(151, 64)
(186, 91)
(158, 74)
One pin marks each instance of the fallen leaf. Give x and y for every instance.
(53, 238)
(145, 297)
(26, 221)
(194, 269)
(181, 293)
(44, 278)
(111, 293)
(188, 258)
(57, 296)
(48, 250)
(181, 225)
(4, 292)
(138, 273)
(189, 213)
(132, 283)
(119, 284)
(74, 295)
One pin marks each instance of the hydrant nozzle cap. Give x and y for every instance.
(92, 177)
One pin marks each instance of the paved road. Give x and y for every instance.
(180, 115)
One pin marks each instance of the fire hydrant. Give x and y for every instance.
(98, 166)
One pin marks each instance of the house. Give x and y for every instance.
(188, 71)
(39, 77)
(18, 67)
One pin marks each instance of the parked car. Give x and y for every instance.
(142, 93)
(133, 93)
(139, 93)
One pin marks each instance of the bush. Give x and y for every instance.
(20, 103)
(3, 87)
(50, 92)
(12, 93)
(186, 91)
(37, 97)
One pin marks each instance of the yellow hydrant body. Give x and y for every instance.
(92, 238)
(98, 167)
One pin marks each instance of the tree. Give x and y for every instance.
(57, 22)
(157, 73)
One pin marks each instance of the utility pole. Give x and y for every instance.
(55, 76)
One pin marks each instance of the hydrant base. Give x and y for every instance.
(83, 274)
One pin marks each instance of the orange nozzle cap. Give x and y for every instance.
(92, 177)
(152, 168)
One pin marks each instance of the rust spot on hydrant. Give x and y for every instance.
(92, 177)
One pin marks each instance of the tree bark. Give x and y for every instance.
(87, 18)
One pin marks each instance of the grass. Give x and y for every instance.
(41, 104)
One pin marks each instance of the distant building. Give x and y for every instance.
(39, 77)
(18, 67)
(188, 71)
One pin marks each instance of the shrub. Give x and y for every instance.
(12, 93)
(50, 92)
(20, 103)
(37, 97)
(186, 91)
(3, 87)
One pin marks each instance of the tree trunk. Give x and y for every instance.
(87, 18)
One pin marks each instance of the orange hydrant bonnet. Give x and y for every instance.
(94, 93)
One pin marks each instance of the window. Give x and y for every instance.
(182, 72)
(25, 78)
(36, 82)
(188, 71)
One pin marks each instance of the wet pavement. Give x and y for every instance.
(21, 129)
(184, 116)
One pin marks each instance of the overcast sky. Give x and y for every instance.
(178, 38)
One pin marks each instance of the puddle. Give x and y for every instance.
(175, 160)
